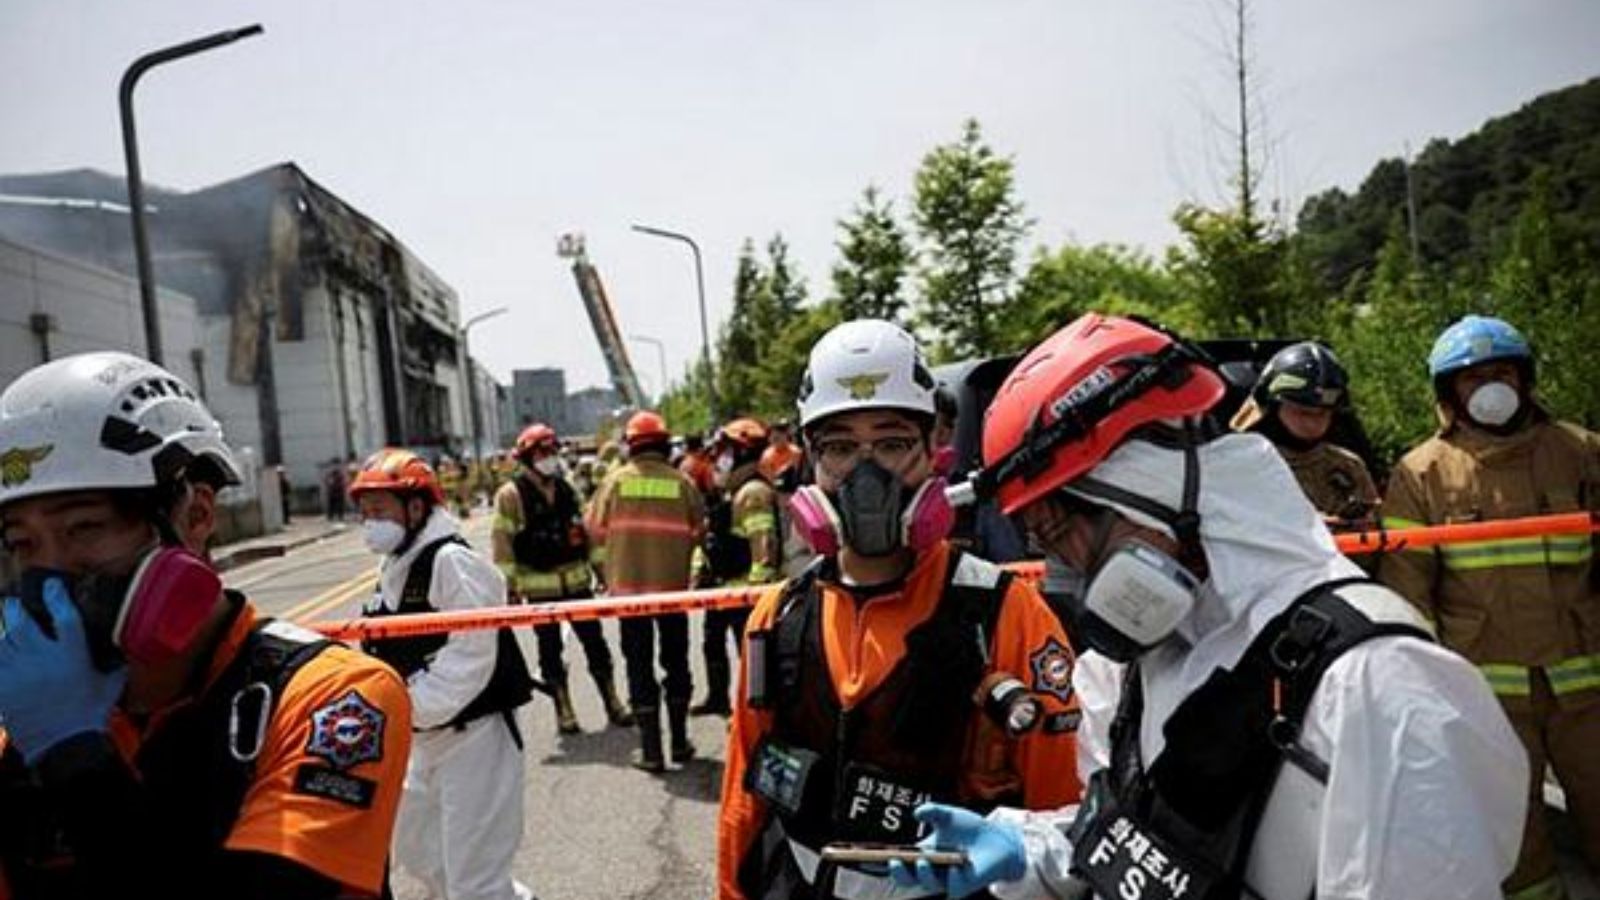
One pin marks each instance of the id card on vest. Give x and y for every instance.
(779, 774)
(873, 807)
(1120, 857)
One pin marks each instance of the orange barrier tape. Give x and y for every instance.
(411, 625)
(1387, 541)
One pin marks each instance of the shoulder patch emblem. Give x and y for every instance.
(347, 732)
(16, 464)
(1052, 669)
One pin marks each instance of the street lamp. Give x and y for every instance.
(472, 381)
(661, 357)
(700, 286)
(130, 150)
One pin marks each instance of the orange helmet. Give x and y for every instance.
(536, 435)
(399, 471)
(1075, 397)
(645, 427)
(777, 460)
(746, 432)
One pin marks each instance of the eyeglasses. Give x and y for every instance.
(889, 452)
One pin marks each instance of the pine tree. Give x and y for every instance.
(970, 222)
(874, 256)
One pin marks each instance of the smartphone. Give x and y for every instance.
(884, 853)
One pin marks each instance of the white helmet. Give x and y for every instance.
(104, 421)
(865, 364)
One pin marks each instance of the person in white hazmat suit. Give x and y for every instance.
(460, 819)
(1258, 719)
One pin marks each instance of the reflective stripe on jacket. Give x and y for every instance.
(755, 519)
(1510, 604)
(570, 579)
(648, 517)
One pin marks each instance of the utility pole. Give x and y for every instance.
(472, 381)
(130, 151)
(700, 287)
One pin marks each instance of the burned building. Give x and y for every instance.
(320, 337)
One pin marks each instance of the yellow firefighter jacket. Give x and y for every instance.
(1512, 604)
(1335, 480)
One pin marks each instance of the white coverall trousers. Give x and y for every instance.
(460, 819)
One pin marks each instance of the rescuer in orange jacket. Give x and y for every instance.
(163, 738)
(896, 669)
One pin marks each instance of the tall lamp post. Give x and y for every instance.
(130, 150)
(472, 381)
(700, 286)
(661, 358)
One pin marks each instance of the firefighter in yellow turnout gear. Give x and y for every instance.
(743, 547)
(646, 520)
(1525, 610)
(1294, 403)
(542, 548)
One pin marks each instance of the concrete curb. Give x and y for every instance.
(226, 559)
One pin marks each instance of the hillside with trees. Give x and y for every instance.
(1507, 223)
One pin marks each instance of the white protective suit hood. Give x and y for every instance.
(1264, 543)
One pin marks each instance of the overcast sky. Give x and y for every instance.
(478, 131)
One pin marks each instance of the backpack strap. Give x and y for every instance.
(791, 624)
(1317, 629)
(948, 655)
(274, 651)
(419, 578)
(249, 691)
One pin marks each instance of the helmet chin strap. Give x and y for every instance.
(165, 501)
(412, 530)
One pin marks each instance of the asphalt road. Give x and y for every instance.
(595, 827)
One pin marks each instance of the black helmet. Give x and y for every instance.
(1306, 373)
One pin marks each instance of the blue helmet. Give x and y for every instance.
(1474, 340)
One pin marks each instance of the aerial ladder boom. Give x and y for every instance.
(603, 319)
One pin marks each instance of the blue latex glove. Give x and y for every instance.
(49, 689)
(995, 852)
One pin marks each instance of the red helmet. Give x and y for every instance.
(536, 435)
(1075, 397)
(645, 427)
(746, 432)
(399, 471)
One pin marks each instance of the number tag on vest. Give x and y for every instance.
(1121, 858)
(874, 807)
(779, 774)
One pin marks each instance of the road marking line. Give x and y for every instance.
(344, 590)
(333, 602)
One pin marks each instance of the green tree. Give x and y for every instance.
(684, 405)
(1232, 264)
(782, 289)
(1545, 282)
(787, 355)
(970, 222)
(1106, 278)
(874, 256)
(1384, 343)
(743, 334)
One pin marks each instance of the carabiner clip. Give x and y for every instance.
(262, 715)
